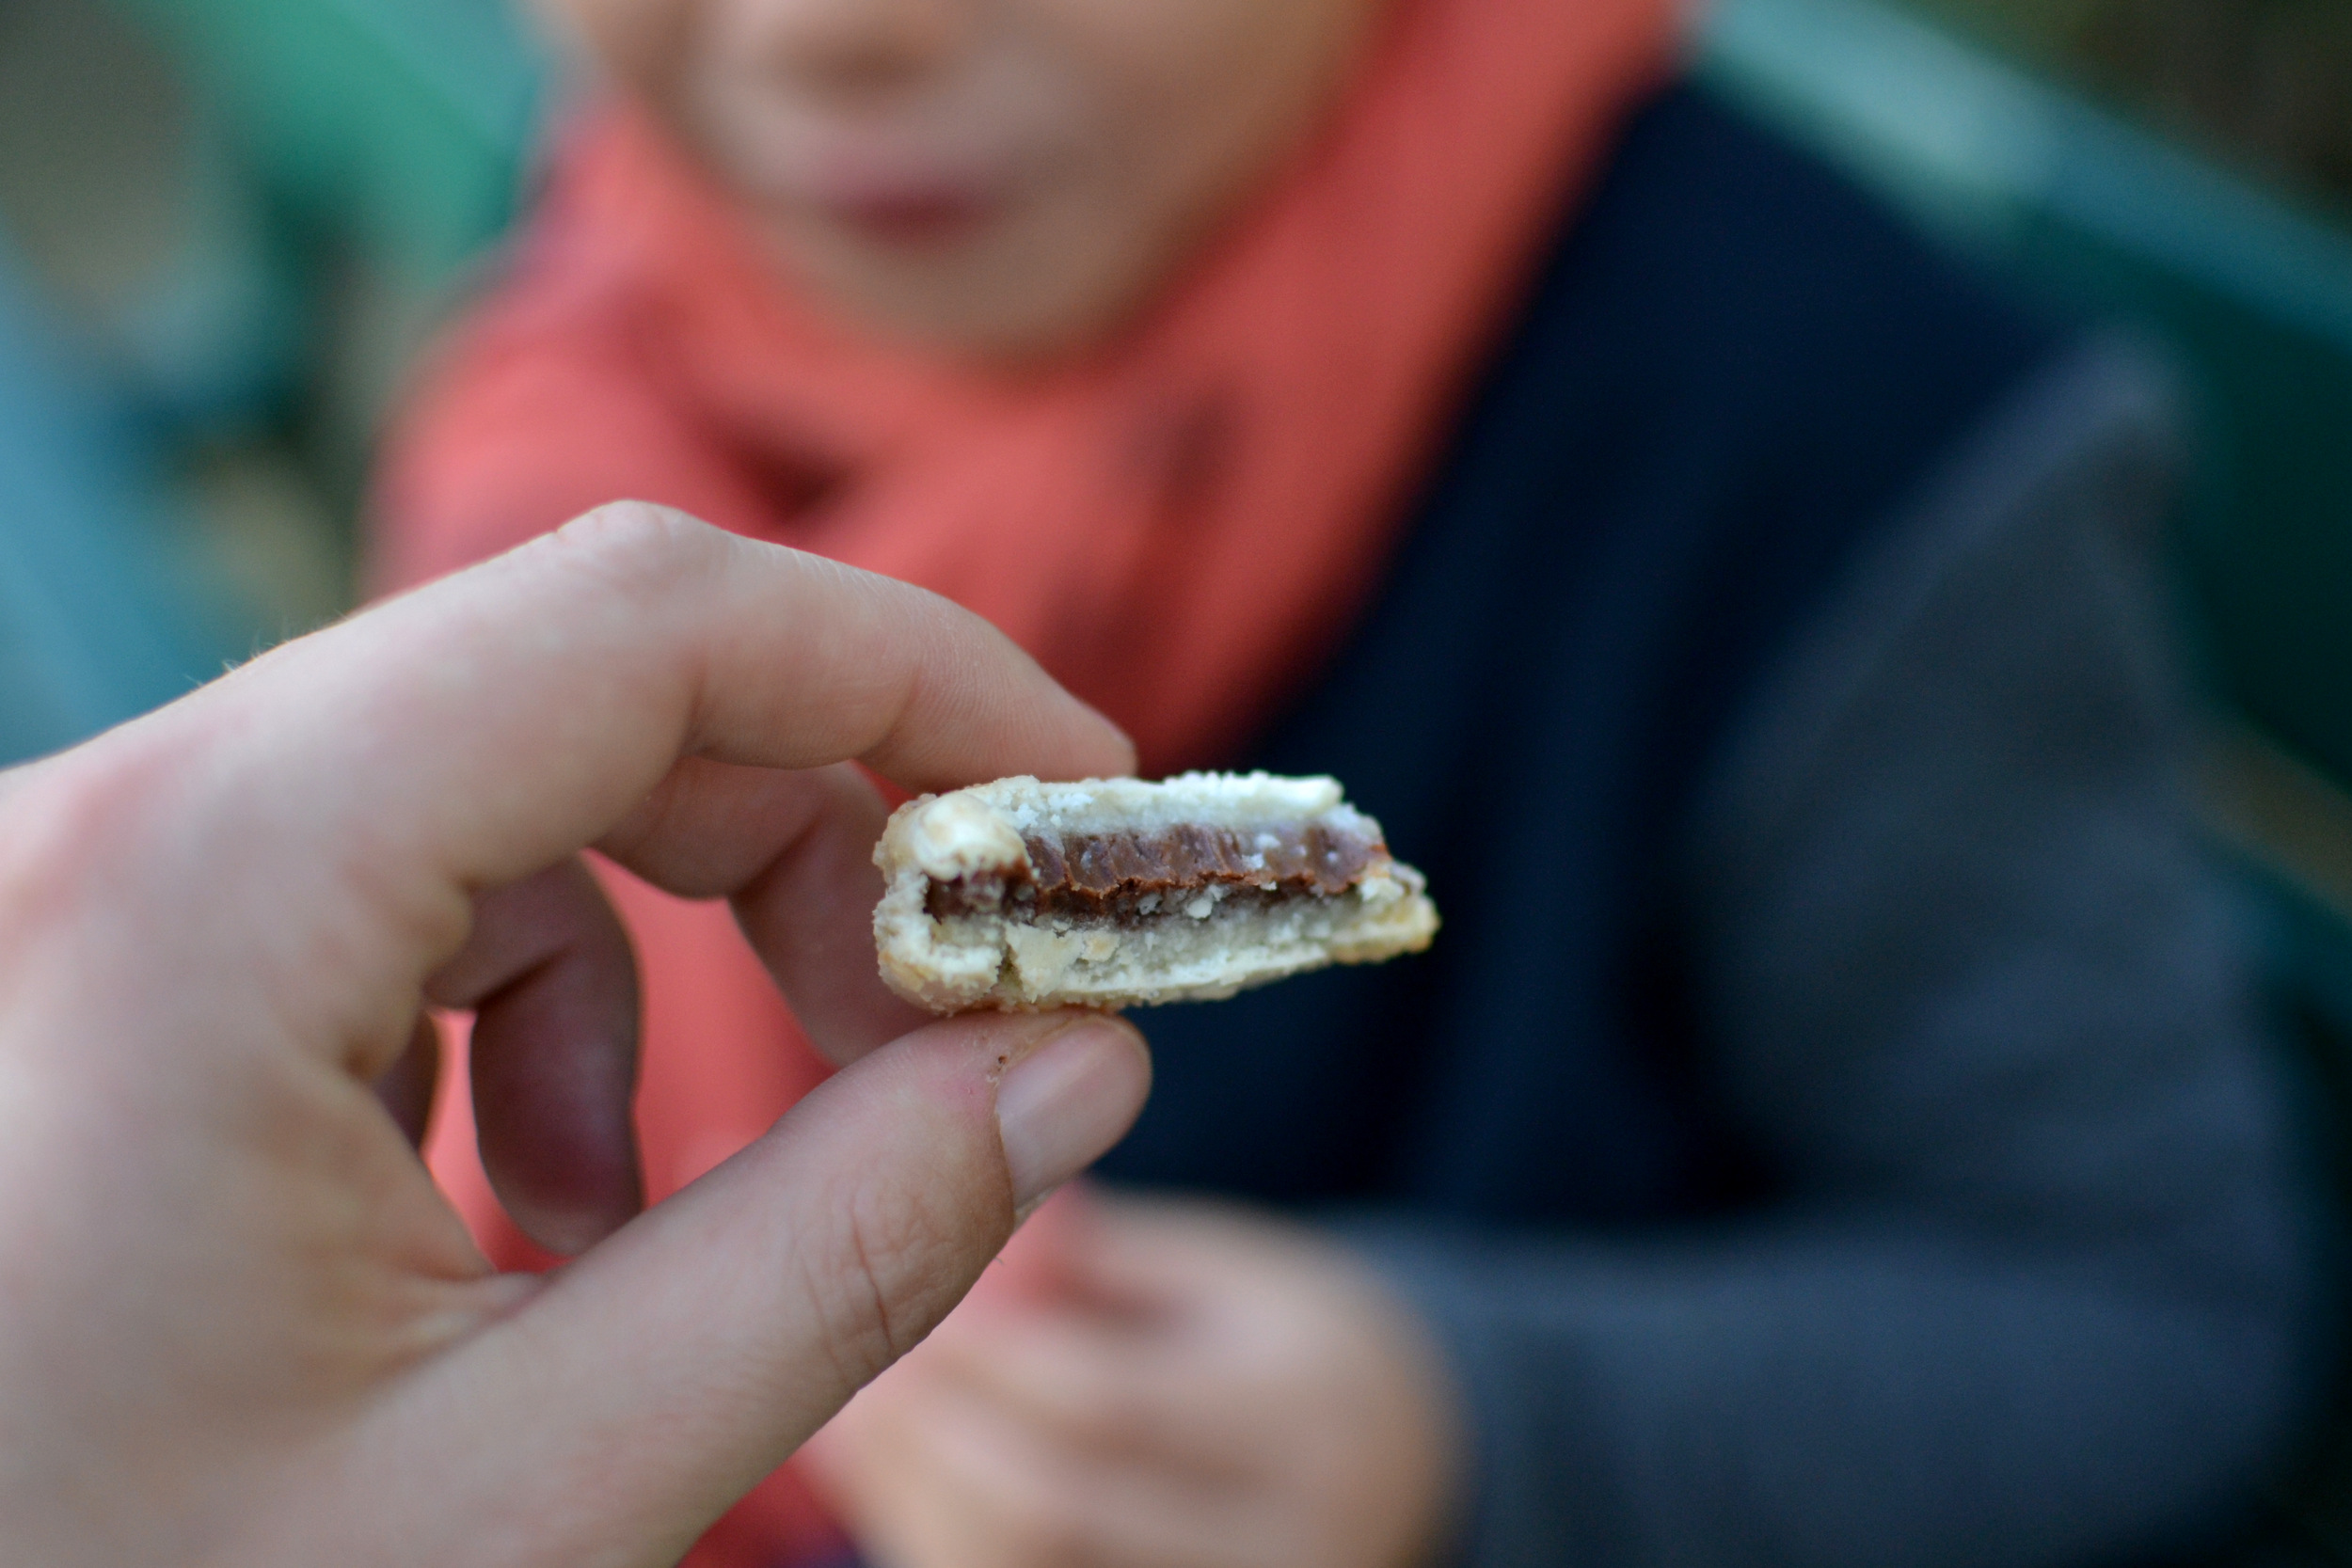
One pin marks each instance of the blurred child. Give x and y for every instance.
(1835, 1126)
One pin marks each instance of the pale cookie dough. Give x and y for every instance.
(1115, 893)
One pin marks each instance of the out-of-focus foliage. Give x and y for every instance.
(244, 216)
(2266, 84)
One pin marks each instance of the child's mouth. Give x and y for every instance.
(908, 196)
(909, 215)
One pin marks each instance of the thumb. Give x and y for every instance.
(661, 1377)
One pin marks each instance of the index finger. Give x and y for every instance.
(360, 784)
(561, 682)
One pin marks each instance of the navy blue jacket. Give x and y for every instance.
(1836, 1124)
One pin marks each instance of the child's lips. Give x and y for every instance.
(909, 215)
(906, 203)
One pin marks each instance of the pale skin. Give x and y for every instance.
(1009, 179)
(1014, 181)
(241, 1326)
(1158, 1385)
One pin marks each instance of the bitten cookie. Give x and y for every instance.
(1116, 892)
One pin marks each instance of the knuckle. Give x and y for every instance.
(41, 869)
(67, 819)
(881, 1278)
(637, 546)
(848, 1312)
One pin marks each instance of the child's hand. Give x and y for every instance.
(1208, 1390)
(237, 1323)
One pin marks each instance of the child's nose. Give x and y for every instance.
(857, 48)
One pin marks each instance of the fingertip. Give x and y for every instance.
(596, 1198)
(1068, 1099)
(558, 1138)
(568, 1234)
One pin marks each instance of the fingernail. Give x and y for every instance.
(1062, 1107)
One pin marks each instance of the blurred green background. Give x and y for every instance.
(237, 221)
(251, 211)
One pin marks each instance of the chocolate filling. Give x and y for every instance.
(1127, 879)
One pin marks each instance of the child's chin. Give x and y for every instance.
(979, 295)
